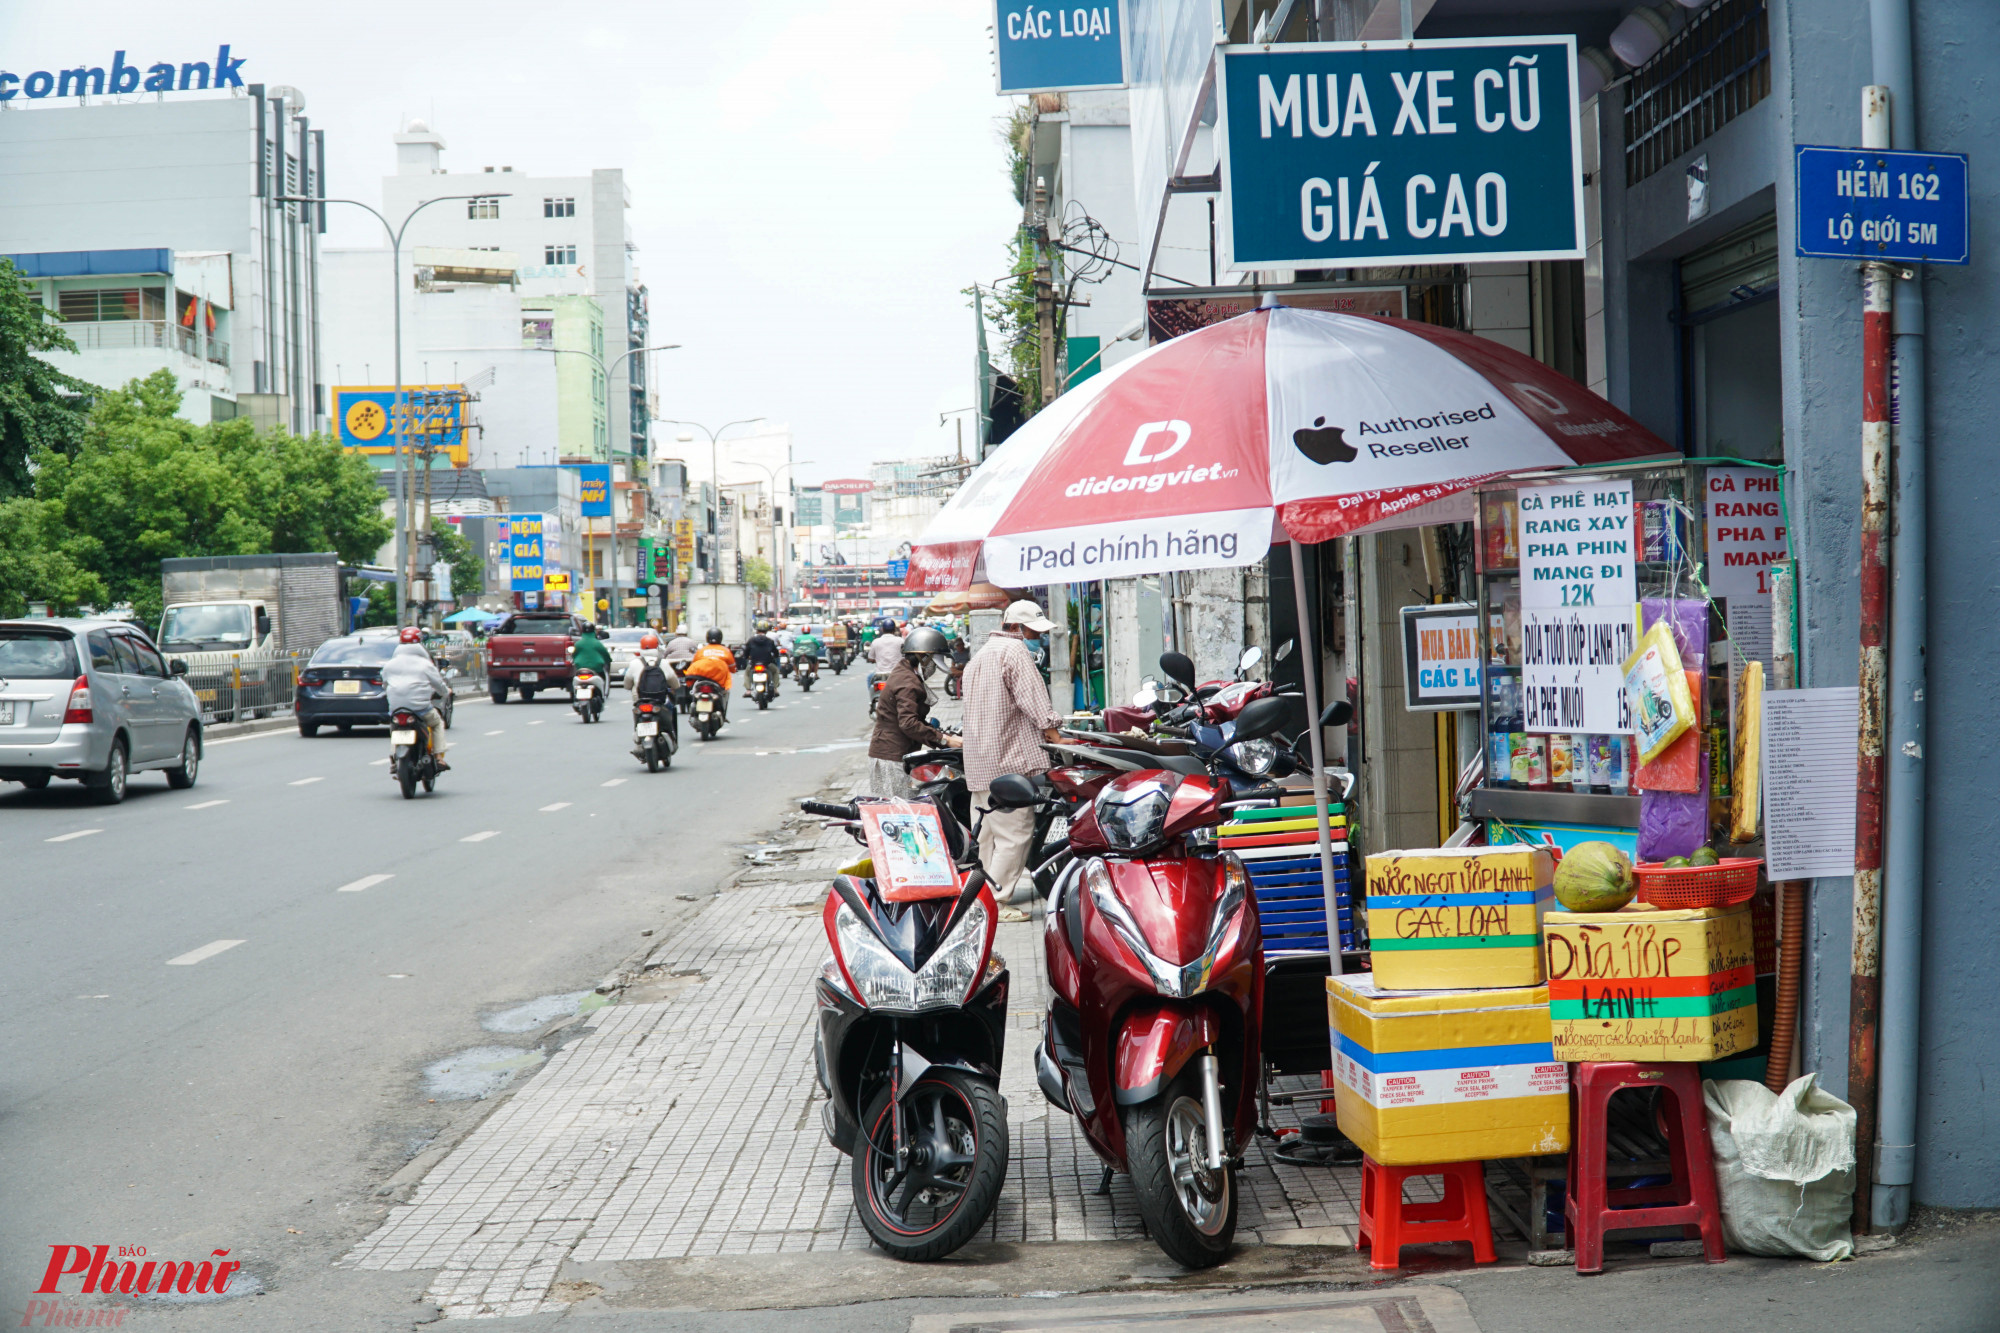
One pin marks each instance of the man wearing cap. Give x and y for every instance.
(1008, 715)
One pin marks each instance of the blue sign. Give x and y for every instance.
(524, 552)
(125, 76)
(1048, 46)
(595, 489)
(1871, 203)
(1344, 154)
(899, 570)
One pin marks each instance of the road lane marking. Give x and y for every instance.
(206, 951)
(559, 805)
(377, 763)
(204, 805)
(538, 722)
(67, 837)
(481, 837)
(305, 782)
(613, 783)
(365, 882)
(501, 732)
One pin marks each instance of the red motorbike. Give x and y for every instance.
(1154, 1032)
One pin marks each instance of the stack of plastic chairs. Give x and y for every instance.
(1280, 848)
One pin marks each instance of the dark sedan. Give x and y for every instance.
(342, 685)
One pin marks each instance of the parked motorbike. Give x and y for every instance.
(805, 671)
(912, 1026)
(656, 732)
(877, 683)
(586, 695)
(762, 688)
(707, 704)
(411, 760)
(1155, 957)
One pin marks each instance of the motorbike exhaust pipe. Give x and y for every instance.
(1211, 1108)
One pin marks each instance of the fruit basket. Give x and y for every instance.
(1729, 882)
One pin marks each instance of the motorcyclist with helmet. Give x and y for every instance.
(590, 654)
(650, 675)
(762, 650)
(715, 662)
(902, 722)
(415, 686)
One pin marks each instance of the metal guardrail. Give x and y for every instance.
(254, 686)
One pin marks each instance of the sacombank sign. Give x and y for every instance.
(122, 76)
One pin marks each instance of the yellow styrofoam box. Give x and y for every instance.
(1446, 1075)
(1449, 918)
(1653, 985)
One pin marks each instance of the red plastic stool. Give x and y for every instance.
(1388, 1223)
(1688, 1202)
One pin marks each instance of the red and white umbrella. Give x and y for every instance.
(1187, 455)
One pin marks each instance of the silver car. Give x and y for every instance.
(94, 702)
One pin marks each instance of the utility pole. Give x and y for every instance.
(1045, 298)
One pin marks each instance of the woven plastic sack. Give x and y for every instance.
(1784, 1167)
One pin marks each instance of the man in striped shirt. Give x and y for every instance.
(1008, 715)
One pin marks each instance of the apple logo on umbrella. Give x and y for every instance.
(1322, 443)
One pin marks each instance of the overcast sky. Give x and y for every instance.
(813, 181)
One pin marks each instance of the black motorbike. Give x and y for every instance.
(763, 688)
(708, 705)
(912, 1025)
(412, 762)
(805, 670)
(836, 657)
(656, 731)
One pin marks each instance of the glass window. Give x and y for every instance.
(559, 208)
(36, 655)
(559, 254)
(206, 626)
(122, 653)
(354, 652)
(483, 207)
(150, 661)
(100, 652)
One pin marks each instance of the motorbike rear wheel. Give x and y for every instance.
(406, 775)
(956, 1129)
(1190, 1210)
(652, 747)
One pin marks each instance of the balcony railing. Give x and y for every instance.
(127, 334)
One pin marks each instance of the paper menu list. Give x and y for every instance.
(1808, 761)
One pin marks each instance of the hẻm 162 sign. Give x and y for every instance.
(1050, 46)
(1440, 152)
(1871, 203)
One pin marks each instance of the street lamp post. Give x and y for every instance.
(778, 544)
(608, 418)
(405, 501)
(714, 466)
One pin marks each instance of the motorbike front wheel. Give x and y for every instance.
(763, 702)
(652, 744)
(406, 774)
(1190, 1210)
(955, 1136)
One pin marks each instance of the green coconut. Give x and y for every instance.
(1594, 877)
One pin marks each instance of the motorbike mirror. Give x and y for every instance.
(1338, 714)
(1251, 657)
(1285, 650)
(1178, 666)
(1011, 791)
(1262, 717)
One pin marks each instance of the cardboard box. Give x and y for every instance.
(1446, 1076)
(1652, 985)
(1452, 918)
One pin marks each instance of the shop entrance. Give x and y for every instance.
(1732, 370)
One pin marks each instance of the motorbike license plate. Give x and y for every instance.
(531, 675)
(704, 706)
(347, 687)
(402, 738)
(649, 729)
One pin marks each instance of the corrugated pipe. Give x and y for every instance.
(1902, 913)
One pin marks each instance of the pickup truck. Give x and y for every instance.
(530, 652)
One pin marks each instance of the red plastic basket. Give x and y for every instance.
(1731, 881)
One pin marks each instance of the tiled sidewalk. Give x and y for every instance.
(691, 1127)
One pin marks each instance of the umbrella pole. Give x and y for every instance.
(1309, 655)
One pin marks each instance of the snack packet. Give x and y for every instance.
(1656, 684)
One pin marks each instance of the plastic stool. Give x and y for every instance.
(1688, 1201)
(1388, 1223)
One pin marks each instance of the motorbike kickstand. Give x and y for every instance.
(1103, 1183)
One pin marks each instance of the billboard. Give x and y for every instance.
(528, 555)
(1355, 154)
(847, 486)
(434, 416)
(594, 489)
(1046, 47)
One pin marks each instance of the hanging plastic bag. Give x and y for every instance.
(1656, 684)
(1784, 1167)
(1674, 823)
(1676, 769)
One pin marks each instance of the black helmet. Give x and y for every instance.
(923, 641)
(715, 636)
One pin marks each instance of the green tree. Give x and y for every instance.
(33, 567)
(40, 407)
(310, 494)
(757, 572)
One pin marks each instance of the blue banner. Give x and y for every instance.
(1046, 46)
(524, 552)
(1870, 203)
(595, 489)
(1343, 154)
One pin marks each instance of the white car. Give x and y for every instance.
(621, 645)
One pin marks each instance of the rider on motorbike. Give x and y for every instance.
(902, 718)
(650, 655)
(415, 686)
(715, 662)
(762, 650)
(807, 644)
(590, 654)
(681, 648)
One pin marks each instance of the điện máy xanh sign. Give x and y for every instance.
(1464, 150)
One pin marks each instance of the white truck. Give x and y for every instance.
(724, 606)
(241, 622)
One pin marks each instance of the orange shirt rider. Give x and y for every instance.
(714, 661)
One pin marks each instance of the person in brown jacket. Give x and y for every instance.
(902, 716)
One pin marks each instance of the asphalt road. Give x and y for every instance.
(222, 998)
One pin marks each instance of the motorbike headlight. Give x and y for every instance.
(948, 975)
(879, 976)
(1179, 980)
(1131, 817)
(1253, 757)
